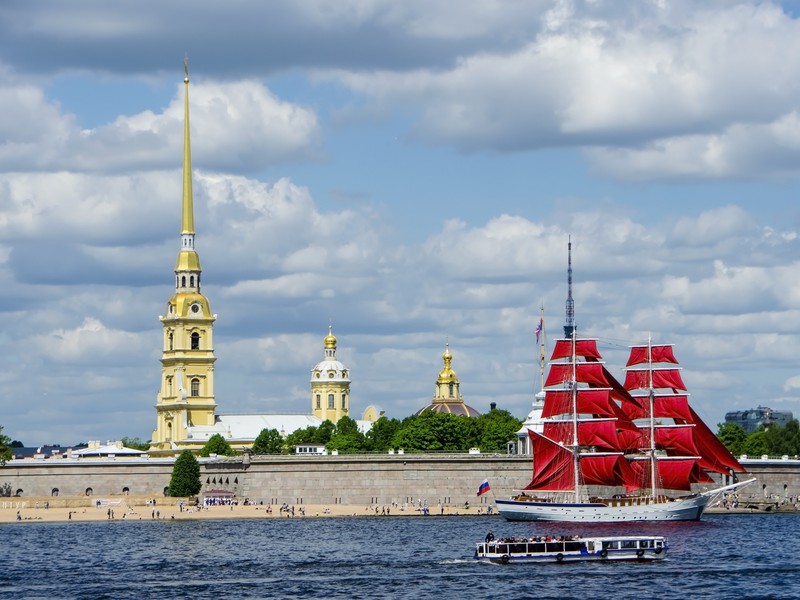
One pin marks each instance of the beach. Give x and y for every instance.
(107, 509)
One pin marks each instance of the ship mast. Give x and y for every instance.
(540, 335)
(651, 406)
(569, 333)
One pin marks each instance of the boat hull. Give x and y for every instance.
(575, 549)
(689, 508)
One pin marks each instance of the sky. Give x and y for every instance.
(410, 172)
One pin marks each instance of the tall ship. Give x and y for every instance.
(611, 451)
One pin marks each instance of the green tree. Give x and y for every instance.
(185, 480)
(493, 430)
(269, 441)
(5, 450)
(323, 433)
(218, 445)
(301, 436)
(432, 431)
(135, 443)
(346, 437)
(379, 437)
(755, 444)
(732, 437)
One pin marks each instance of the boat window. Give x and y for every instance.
(572, 546)
(519, 548)
(629, 543)
(538, 547)
(502, 548)
(610, 545)
(644, 543)
(555, 546)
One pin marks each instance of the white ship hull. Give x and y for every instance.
(689, 508)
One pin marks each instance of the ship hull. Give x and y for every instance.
(689, 508)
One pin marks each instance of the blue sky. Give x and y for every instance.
(409, 171)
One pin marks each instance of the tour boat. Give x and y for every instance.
(572, 549)
(618, 452)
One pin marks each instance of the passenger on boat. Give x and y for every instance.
(489, 537)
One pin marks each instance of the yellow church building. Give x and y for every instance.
(185, 403)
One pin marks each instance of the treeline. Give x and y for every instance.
(773, 441)
(428, 432)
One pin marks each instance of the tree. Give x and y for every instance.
(346, 437)
(492, 431)
(135, 443)
(732, 437)
(755, 444)
(269, 441)
(5, 451)
(218, 445)
(379, 437)
(185, 480)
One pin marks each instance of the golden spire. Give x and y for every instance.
(187, 217)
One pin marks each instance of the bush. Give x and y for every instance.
(185, 480)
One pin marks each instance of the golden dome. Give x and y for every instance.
(330, 339)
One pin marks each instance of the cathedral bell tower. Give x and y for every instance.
(186, 397)
(330, 384)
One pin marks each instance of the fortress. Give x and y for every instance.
(186, 417)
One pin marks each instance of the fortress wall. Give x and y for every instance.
(348, 480)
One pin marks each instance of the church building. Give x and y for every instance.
(186, 404)
(447, 396)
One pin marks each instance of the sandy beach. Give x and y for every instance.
(85, 509)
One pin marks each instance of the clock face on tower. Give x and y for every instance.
(195, 308)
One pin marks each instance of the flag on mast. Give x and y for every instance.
(484, 487)
(539, 326)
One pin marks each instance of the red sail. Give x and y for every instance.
(598, 433)
(716, 456)
(662, 378)
(552, 465)
(606, 469)
(677, 440)
(673, 474)
(671, 406)
(583, 348)
(589, 402)
(658, 354)
(591, 373)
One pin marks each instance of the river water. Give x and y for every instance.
(723, 556)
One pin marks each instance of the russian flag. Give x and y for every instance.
(484, 487)
(539, 326)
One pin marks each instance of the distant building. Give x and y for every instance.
(751, 420)
(447, 397)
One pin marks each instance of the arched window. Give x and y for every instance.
(331, 401)
(191, 281)
(344, 401)
(171, 339)
(54, 492)
(169, 432)
(319, 400)
(18, 492)
(451, 390)
(89, 491)
(166, 490)
(183, 281)
(126, 490)
(195, 341)
(195, 387)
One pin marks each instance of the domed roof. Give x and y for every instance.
(330, 339)
(453, 408)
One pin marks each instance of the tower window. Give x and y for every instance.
(195, 387)
(344, 401)
(191, 281)
(171, 339)
(451, 390)
(183, 281)
(319, 402)
(331, 401)
(195, 341)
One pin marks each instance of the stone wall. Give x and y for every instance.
(349, 480)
